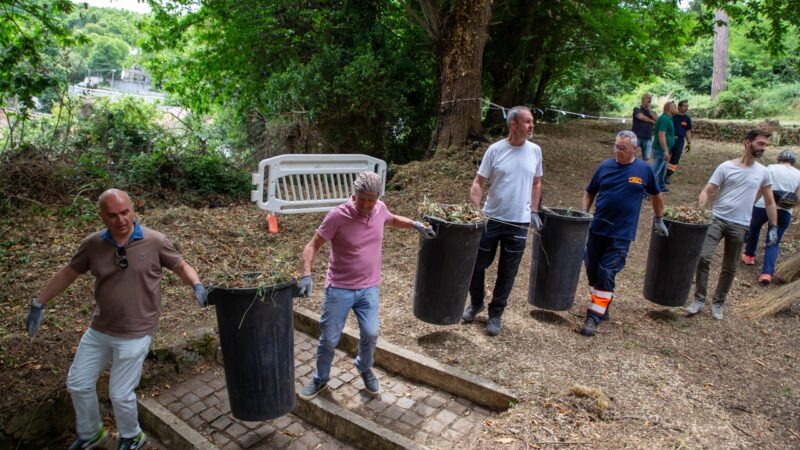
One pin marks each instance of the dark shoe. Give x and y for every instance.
(666, 180)
(371, 383)
(589, 327)
(132, 443)
(471, 312)
(665, 190)
(493, 326)
(85, 444)
(312, 389)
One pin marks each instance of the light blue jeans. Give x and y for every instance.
(647, 148)
(659, 165)
(336, 305)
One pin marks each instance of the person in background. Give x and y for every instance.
(513, 167)
(739, 182)
(355, 231)
(683, 135)
(126, 260)
(665, 138)
(643, 120)
(618, 185)
(786, 190)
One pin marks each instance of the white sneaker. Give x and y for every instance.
(695, 308)
(716, 311)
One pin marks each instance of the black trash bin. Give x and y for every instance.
(256, 332)
(444, 271)
(672, 262)
(556, 258)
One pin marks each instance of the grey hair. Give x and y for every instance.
(627, 134)
(787, 156)
(514, 112)
(113, 192)
(367, 182)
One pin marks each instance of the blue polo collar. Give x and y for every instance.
(137, 234)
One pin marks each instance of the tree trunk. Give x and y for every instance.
(463, 30)
(719, 79)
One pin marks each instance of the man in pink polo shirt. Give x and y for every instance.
(355, 230)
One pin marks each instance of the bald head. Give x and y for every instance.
(115, 194)
(117, 214)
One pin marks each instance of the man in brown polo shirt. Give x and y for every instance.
(126, 260)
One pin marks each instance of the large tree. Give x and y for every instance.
(719, 78)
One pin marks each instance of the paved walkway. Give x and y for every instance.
(421, 413)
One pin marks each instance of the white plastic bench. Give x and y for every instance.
(294, 183)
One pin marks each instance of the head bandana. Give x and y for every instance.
(367, 182)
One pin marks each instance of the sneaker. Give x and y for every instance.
(84, 444)
(312, 389)
(471, 312)
(371, 383)
(589, 327)
(765, 279)
(665, 190)
(493, 326)
(748, 260)
(695, 308)
(132, 443)
(666, 180)
(716, 311)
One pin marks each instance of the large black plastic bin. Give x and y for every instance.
(444, 271)
(672, 262)
(556, 259)
(256, 332)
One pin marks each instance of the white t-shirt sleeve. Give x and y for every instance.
(538, 152)
(718, 175)
(485, 169)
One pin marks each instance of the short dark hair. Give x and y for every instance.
(683, 102)
(756, 132)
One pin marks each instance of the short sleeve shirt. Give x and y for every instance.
(738, 188)
(356, 244)
(641, 128)
(682, 124)
(510, 171)
(128, 300)
(784, 178)
(618, 190)
(664, 123)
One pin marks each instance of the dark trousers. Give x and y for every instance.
(603, 259)
(758, 220)
(512, 238)
(675, 155)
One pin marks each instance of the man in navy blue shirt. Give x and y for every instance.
(683, 135)
(618, 186)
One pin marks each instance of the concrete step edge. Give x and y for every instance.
(169, 429)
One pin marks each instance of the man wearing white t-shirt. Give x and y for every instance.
(513, 167)
(739, 182)
(785, 181)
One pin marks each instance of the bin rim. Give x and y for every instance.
(445, 223)
(253, 290)
(555, 212)
(688, 224)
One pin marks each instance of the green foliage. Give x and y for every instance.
(107, 53)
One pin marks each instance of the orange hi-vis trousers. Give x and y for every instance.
(604, 257)
(600, 300)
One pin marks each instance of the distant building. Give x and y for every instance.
(135, 74)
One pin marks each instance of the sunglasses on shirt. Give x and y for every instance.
(122, 259)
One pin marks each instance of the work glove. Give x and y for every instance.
(688, 147)
(35, 316)
(772, 235)
(426, 232)
(536, 221)
(660, 227)
(201, 295)
(306, 285)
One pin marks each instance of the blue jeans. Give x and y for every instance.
(646, 146)
(770, 251)
(512, 238)
(603, 259)
(659, 165)
(336, 305)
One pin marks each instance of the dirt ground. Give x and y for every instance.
(671, 381)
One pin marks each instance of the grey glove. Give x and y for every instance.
(426, 232)
(306, 285)
(35, 316)
(536, 221)
(201, 295)
(772, 235)
(660, 227)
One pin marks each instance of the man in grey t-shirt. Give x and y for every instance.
(739, 181)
